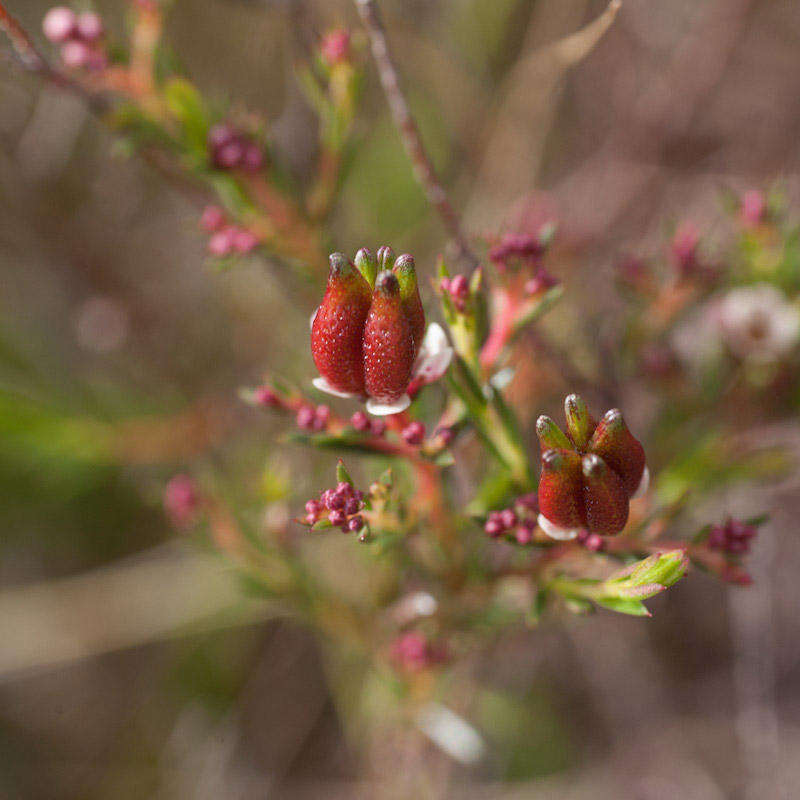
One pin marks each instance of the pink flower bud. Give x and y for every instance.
(252, 157)
(335, 47)
(181, 500)
(360, 421)
(413, 433)
(221, 243)
(89, 27)
(754, 207)
(58, 24)
(305, 417)
(244, 241)
(266, 397)
(213, 219)
(355, 524)
(75, 54)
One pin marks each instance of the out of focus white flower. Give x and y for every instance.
(758, 323)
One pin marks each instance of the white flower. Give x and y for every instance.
(433, 359)
(758, 323)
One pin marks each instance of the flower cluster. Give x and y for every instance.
(589, 476)
(226, 238)
(340, 507)
(368, 336)
(230, 148)
(79, 35)
(733, 536)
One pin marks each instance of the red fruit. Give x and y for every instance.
(560, 489)
(605, 498)
(337, 330)
(405, 272)
(388, 343)
(616, 445)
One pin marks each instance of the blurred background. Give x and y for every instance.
(130, 663)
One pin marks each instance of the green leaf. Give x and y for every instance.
(186, 103)
(636, 608)
(342, 475)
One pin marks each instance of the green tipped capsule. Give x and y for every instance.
(367, 265)
(550, 435)
(580, 424)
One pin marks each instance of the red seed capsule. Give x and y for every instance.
(337, 330)
(561, 489)
(388, 343)
(616, 445)
(605, 498)
(405, 272)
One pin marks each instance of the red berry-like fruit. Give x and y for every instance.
(605, 498)
(336, 334)
(617, 446)
(388, 343)
(561, 489)
(406, 274)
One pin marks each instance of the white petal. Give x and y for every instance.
(324, 386)
(451, 732)
(435, 354)
(643, 486)
(384, 409)
(554, 532)
(312, 318)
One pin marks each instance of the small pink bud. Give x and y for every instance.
(58, 24)
(378, 427)
(244, 241)
(181, 500)
(360, 421)
(89, 27)
(446, 435)
(337, 517)
(444, 285)
(221, 243)
(213, 219)
(524, 534)
(508, 518)
(321, 416)
(459, 287)
(355, 524)
(305, 417)
(266, 397)
(228, 155)
(335, 47)
(252, 157)
(754, 207)
(75, 54)
(413, 433)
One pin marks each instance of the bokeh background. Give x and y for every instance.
(130, 664)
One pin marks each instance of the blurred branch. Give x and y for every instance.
(153, 596)
(409, 131)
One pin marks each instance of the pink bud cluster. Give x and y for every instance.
(79, 36)
(335, 47)
(230, 148)
(340, 506)
(518, 522)
(226, 238)
(733, 537)
(591, 541)
(364, 423)
(412, 651)
(458, 289)
(313, 418)
(515, 248)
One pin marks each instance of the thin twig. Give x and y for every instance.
(409, 132)
(33, 61)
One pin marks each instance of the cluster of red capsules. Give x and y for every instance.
(590, 475)
(367, 332)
